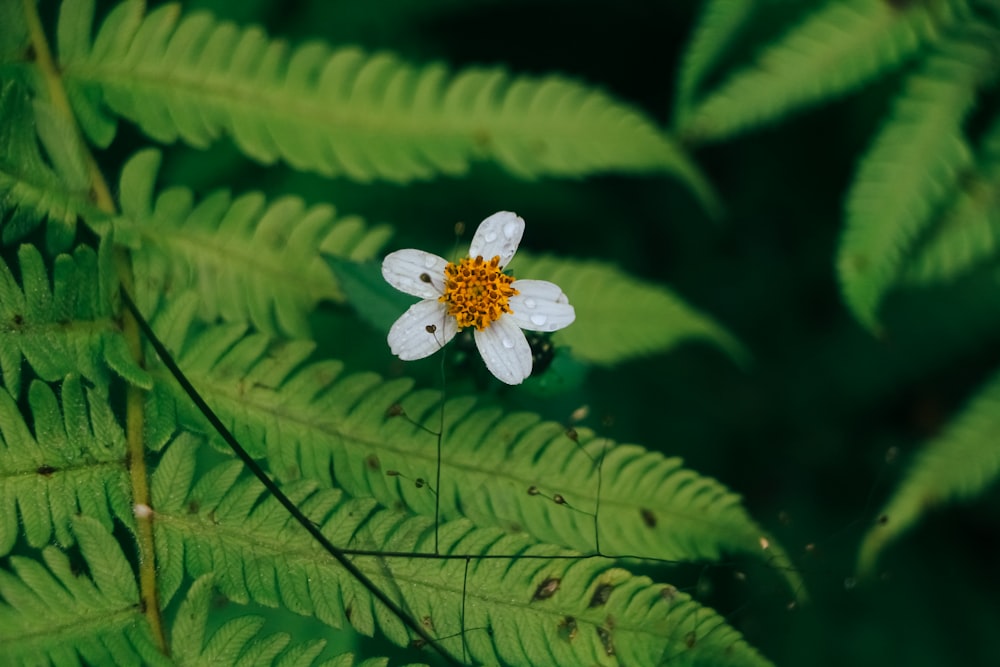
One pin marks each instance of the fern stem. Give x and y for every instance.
(134, 398)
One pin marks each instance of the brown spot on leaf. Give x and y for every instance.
(648, 517)
(567, 628)
(601, 595)
(604, 634)
(45, 470)
(372, 462)
(546, 589)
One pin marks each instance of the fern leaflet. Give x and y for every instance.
(63, 327)
(52, 615)
(912, 169)
(345, 111)
(250, 261)
(718, 23)
(73, 462)
(314, 423)
(619, 317)
(958, 465)
(278, 564)
(840, 47)
(968, 232)
(32, 190)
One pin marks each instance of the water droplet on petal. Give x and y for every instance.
(491, 237)
(530, 303)
(510, 230)
(507, 343)
(538, 319)
(429, 261)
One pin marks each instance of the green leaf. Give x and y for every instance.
(251, 261)
(619, 317)
(238, 641)
(53, 614)
(31, 190)
(841, 46)
(913, 168)
(958, 465)
(717, 24)
(66, 326)
(641, 622)
(73, 462)
(967, 234)
(347, 112)
(315, 423)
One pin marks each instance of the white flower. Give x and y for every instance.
(474, 292)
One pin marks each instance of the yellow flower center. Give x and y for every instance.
(476, 291)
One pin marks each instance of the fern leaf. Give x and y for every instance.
(718, 23)
(960, 464)
(619, 317)
(31, 190)
(237, 642)
(65, 326)
(52, 614)
(257, 553)
(250, 261)
(841, 46)
(312, 422)
(912, 169)
(968, 233)
(73, 462)
(348, 112)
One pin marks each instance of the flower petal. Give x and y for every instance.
(422, 330)
(404, 270)
(540, 306)
(505, 351)
(497, 235)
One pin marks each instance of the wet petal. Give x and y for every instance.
(505, 351)
(540, 306)
(415, 272)
(497, 235)
(422, 330)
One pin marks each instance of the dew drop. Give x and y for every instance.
(430, 261)
(538, 319)
(507, 343)
(491, 237)
(530, 303)
(510, 230)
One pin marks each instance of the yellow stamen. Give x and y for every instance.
(476, 291)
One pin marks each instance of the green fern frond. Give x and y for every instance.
(913, 168)
(53, 614)
(968, 233)
(223, 522)
(312, 423)
(619, 317)
(63, 327)
(74, 461)
(238, 641)
(718, 23)
(250, 261)
(838, 48)
(958, 465)
(345, 111)
(32, 190)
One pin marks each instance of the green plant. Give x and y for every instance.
(120, 506)
(923, 209)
